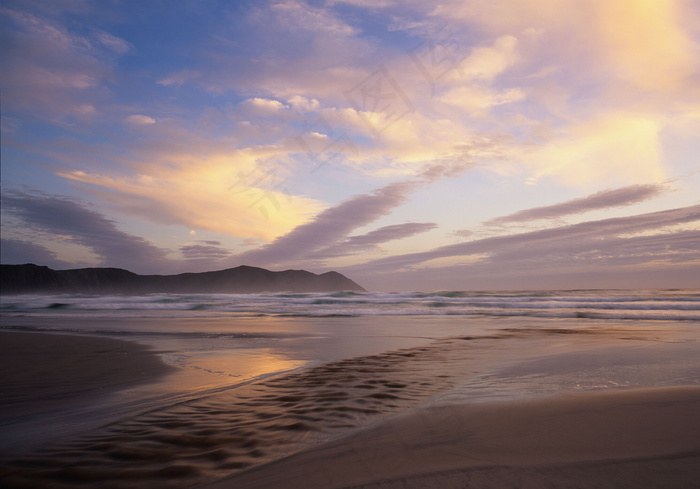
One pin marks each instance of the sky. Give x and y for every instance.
(410, 145)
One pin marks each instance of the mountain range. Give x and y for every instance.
(35, 279)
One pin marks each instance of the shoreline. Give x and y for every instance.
(418, 417)
(46, 376)
(626, 438)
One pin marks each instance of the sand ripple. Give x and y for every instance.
(215, 436)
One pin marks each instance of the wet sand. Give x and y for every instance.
(388, 421)
(647, 438)
(208, 438)
(42, 375)
(44, 372)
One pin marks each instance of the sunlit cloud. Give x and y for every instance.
(266, 105)
(479, 100)
(230, 195)
(664, 58)
(485, 63)
(139, 120)
(332, 225)
(614, 147)
(331, 133)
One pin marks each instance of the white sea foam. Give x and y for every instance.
(597, 304)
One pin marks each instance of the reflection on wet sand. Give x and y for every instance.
(239, 428)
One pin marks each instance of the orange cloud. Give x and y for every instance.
(646, 43)
(618, 148)
(229, 194)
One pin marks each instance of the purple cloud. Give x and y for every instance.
(58, 72)
(19, 252)
(332, 225)
(206, 250)
(369, 241)
(62, 216)
(566, 242)
(600, 200)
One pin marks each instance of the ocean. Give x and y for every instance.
(594, 304)
(303, 368)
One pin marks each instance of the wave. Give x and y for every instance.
(152, 333)
(604, 304)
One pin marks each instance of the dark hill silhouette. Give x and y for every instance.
(35, 279)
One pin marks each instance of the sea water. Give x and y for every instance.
(597, 304)
(220, 340)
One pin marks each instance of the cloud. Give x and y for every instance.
(604, 199)
(662, 59)
(613, 146)
(179, 77)
(303, 104)
(332, 225)
(479, 100)
(250, 242)
(370, 241)
(549, 245)
(485, 63)
(113, 43)
(19, 252)
(317, 239)
(74, 222)
(56, 73)
(202, 186)
(264, 106)
(299, 15)
(204, 250)
(555, 93)
(140, 120)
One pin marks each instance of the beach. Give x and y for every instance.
(48, 380)
(348, 402)
(49, 372)
(647, 438)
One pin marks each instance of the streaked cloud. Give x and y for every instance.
(205, 255)
(19, 252)
(604, 199)
(332, 225)
(558, 242)
(370, 241)
(77, 224)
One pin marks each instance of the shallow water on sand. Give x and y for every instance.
(240, 397)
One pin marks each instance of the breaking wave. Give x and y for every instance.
(595, 304)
